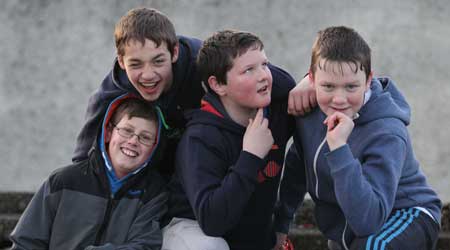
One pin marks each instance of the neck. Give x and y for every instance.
(237, 113)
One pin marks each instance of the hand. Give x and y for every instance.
(258, 138)
(339, 127)
(302, 98)
(281, 238)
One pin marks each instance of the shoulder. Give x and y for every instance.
(190, 43)
(282, 82)
(67, 176)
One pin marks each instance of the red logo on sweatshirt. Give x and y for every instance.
(271, 170)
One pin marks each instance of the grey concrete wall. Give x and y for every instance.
(53, 54)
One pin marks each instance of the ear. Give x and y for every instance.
(311, 78)
(108, 133)
(220, 89)
(369, 80)
(175, 52)
(121, 63)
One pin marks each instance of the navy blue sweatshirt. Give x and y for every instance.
(229, 191)
(356, 186)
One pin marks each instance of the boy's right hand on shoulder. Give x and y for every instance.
(302, 98)
(258, 138)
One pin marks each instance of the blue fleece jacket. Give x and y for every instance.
(357, 186)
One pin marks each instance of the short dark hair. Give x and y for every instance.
(341, 44)
(144, 23)
(135, 107)
(217, 53)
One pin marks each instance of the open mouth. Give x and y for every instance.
(263, 89)
(128, 152)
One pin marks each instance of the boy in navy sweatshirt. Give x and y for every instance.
(229, 160)
(353, 154)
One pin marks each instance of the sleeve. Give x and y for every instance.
(34, 226)
(145, 232)
(366, 191)
(97, 105)
(283, 82)
(217, 192)
(292, 190)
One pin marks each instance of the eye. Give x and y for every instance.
(248, 70)
(159, 61)
(328, 87)
(127, 131)
(352, 87)
(134, 65)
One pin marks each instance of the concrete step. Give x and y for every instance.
(7, 224)
(14, 202)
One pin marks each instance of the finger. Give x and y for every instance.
(305, 105)
(250, 122)
(259, 116)
(291, 104)
(265, 123)
(312, 100)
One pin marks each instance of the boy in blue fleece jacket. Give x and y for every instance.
(354, 156)
(229, 160)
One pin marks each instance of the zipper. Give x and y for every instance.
(316, 156)
(101, 231)
(343, 236)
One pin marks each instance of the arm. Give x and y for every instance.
(34, 227)
(367, 199)
(292, 190)
(145, 232)
(302, 98)
(96, 109)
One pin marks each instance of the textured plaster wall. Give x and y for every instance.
(53, 54)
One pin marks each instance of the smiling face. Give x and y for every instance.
(149, 67)
(249, 82)
(340, 87)
(127, 154)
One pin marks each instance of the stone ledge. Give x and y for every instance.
(303, 234)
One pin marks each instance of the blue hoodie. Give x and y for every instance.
(114, 182)
(357, 186)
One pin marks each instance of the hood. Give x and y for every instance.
(212, 112)
(386, 95)
(101, 139)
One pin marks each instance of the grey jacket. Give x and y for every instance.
(75, 209)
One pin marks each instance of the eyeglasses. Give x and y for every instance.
(127, 133)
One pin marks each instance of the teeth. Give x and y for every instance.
(149, 84)
(129, 153)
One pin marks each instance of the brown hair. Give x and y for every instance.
(144, 23)
(340, 44)
(134, 107)
(219, 50)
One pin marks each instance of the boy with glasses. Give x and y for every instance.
(112, 200)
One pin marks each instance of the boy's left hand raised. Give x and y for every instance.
(339, 127)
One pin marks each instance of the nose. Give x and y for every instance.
(148, 72)
(133, 139)
(264, 74)
(339, 97)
